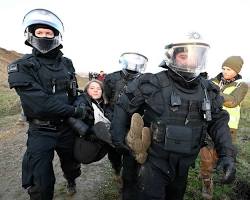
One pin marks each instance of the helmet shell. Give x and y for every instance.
(133, 61)
(42, 16)
(187, 54)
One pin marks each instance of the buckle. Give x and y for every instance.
(40, 122)
(47, 122)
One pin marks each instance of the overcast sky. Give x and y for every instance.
(98, 31)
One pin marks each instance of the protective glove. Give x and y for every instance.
(121, 148)
(83, 112)
(226, 165)
(78, 125)
(138, 138)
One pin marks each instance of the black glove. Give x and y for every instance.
(226, 165)
(78, 125)
(82, 111)
(121, 148)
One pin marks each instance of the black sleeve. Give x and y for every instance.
(119, 125)
(108, 87)
(35, 101)
(83, 101)
(128, 103)
(218, 128)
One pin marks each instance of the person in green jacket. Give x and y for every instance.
(234, 90)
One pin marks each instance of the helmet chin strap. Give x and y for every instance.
(186, 76)
(129, 75)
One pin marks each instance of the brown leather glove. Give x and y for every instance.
(138, 138)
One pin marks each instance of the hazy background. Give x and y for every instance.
(98, 31)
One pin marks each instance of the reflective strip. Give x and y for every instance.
(233, 112)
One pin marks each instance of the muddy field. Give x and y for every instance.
(94, 183)
(12, 147)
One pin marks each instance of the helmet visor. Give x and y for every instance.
(189, 58)
(133, 61)
(42, 16)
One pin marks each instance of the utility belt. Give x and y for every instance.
(50, 124)
(175, 138)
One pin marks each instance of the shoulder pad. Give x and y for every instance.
(158, 80)
(146, 77)
(23, 62)
(149, 78)
(162, 78)
(113, 76)
(69, 64)
(67, 60)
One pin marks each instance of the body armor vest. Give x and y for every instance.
(177, 119)
(43, 77)
(55, 78)
(119, 82)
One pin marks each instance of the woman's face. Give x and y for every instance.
(94, 90)
(228, 73)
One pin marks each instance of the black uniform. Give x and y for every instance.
(46, 84)
(176, 112)
(114, 85)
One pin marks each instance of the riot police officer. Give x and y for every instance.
(46, 84)
(132, 64)
(179, 106)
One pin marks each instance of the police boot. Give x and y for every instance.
(36, 193)
(207, 188)
(71, 187)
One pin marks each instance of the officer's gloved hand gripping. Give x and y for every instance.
(121, 148)
(76, 122)
(78, 126)
(83, 111)
(226, 165)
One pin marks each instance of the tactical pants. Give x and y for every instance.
(156, 184)
(115, 159)
(129, 177)
(37, 167)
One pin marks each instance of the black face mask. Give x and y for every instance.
(44, 45)
(54, 53)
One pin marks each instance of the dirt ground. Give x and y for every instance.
(12, 148)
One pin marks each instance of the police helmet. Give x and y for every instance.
(42, 18)
(187, 56)
(134, 62)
